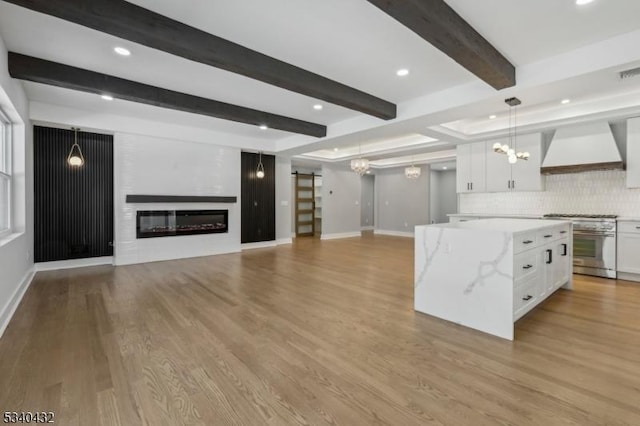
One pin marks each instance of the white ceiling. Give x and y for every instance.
(355, 43)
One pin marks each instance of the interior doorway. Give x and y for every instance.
(367, 203)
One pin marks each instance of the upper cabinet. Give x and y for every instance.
(522, 176)
(633, 153)
(471, 168)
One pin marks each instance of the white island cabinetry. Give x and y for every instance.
(486, 274)
(628, 248)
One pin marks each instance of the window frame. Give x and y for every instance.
(6, 145)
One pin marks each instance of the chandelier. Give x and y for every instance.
(360, 165)
(510, 149)
(412, 172)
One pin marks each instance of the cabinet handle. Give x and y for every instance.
(509, 184)
(527, 267)
(564, 249)
(468, 186)
(472, 186)
(527, 297)
(549, 257)
(563, 232)
(513, 184)
(548, 236)
(637, 227)
(527, 242)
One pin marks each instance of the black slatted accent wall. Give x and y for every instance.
(73, 206)
(258, 199)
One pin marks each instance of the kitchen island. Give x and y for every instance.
(486, 274)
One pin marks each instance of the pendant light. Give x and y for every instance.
(360, 165)
(412, 172)
(260, 170)
(75, 157)
(510, 149)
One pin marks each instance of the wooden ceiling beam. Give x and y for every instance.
(137, 24)
(440, 25)
(41, 71)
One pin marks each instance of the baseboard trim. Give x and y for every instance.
(283, 241)
(393, 233)
(74, 263)
(340, 236)
(368, 228)
(258, 245)
(13, 303)
(625, 276)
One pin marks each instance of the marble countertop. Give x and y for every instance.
(630, 219)
(501, 225)
(487, 215)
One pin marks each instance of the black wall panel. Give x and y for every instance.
(258, 199)
(73, 206)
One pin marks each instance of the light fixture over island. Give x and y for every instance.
(486, 274)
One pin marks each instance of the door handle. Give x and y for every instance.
(549, 257)
(527, 297)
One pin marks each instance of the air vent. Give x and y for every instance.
(629, 73)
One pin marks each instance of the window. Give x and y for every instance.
(5, 175)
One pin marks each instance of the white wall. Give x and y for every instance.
(401, 203)
(16, 261)
(283, 200)
(340, 202)
(443, 198)
(151, 165)
(599, 192)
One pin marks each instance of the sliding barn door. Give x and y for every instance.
(305, 205)
(73, 207)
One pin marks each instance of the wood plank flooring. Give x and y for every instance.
(321, 332)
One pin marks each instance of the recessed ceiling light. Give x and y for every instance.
(402, 73)
(583, 2)
(368, 172)
(263, 127)
(107, 97)
(122, 51)
(317, 107)
(565, 101)
(491, 117)
(444, 168)
(335, 149)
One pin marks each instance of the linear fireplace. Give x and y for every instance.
(170, 223)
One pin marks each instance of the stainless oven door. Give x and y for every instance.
(594, 250)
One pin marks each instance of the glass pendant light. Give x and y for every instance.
(75, 157)
(510, 149)
(260, 170)
(412, 172)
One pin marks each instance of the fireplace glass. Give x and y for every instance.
(169, 223)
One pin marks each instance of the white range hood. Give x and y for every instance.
(582, 148)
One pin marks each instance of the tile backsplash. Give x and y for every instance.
(600, 192)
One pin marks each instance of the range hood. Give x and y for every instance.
(582, 148)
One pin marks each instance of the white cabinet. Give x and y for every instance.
(629, 249)
(633, 153)
(471, 168)
(522, 176)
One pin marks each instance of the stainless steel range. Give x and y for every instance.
(594, 243)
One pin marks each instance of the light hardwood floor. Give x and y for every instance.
(321, 332)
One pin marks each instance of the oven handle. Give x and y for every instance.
(592, 234)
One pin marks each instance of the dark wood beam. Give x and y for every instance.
(436, 22)
(41, 71)
(139, 25)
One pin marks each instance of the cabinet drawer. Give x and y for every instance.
(522, 242)
(525, 265)
(525, 297)
(553, 234)
(629, 227)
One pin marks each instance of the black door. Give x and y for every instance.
(73, 205)
(258, 199)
